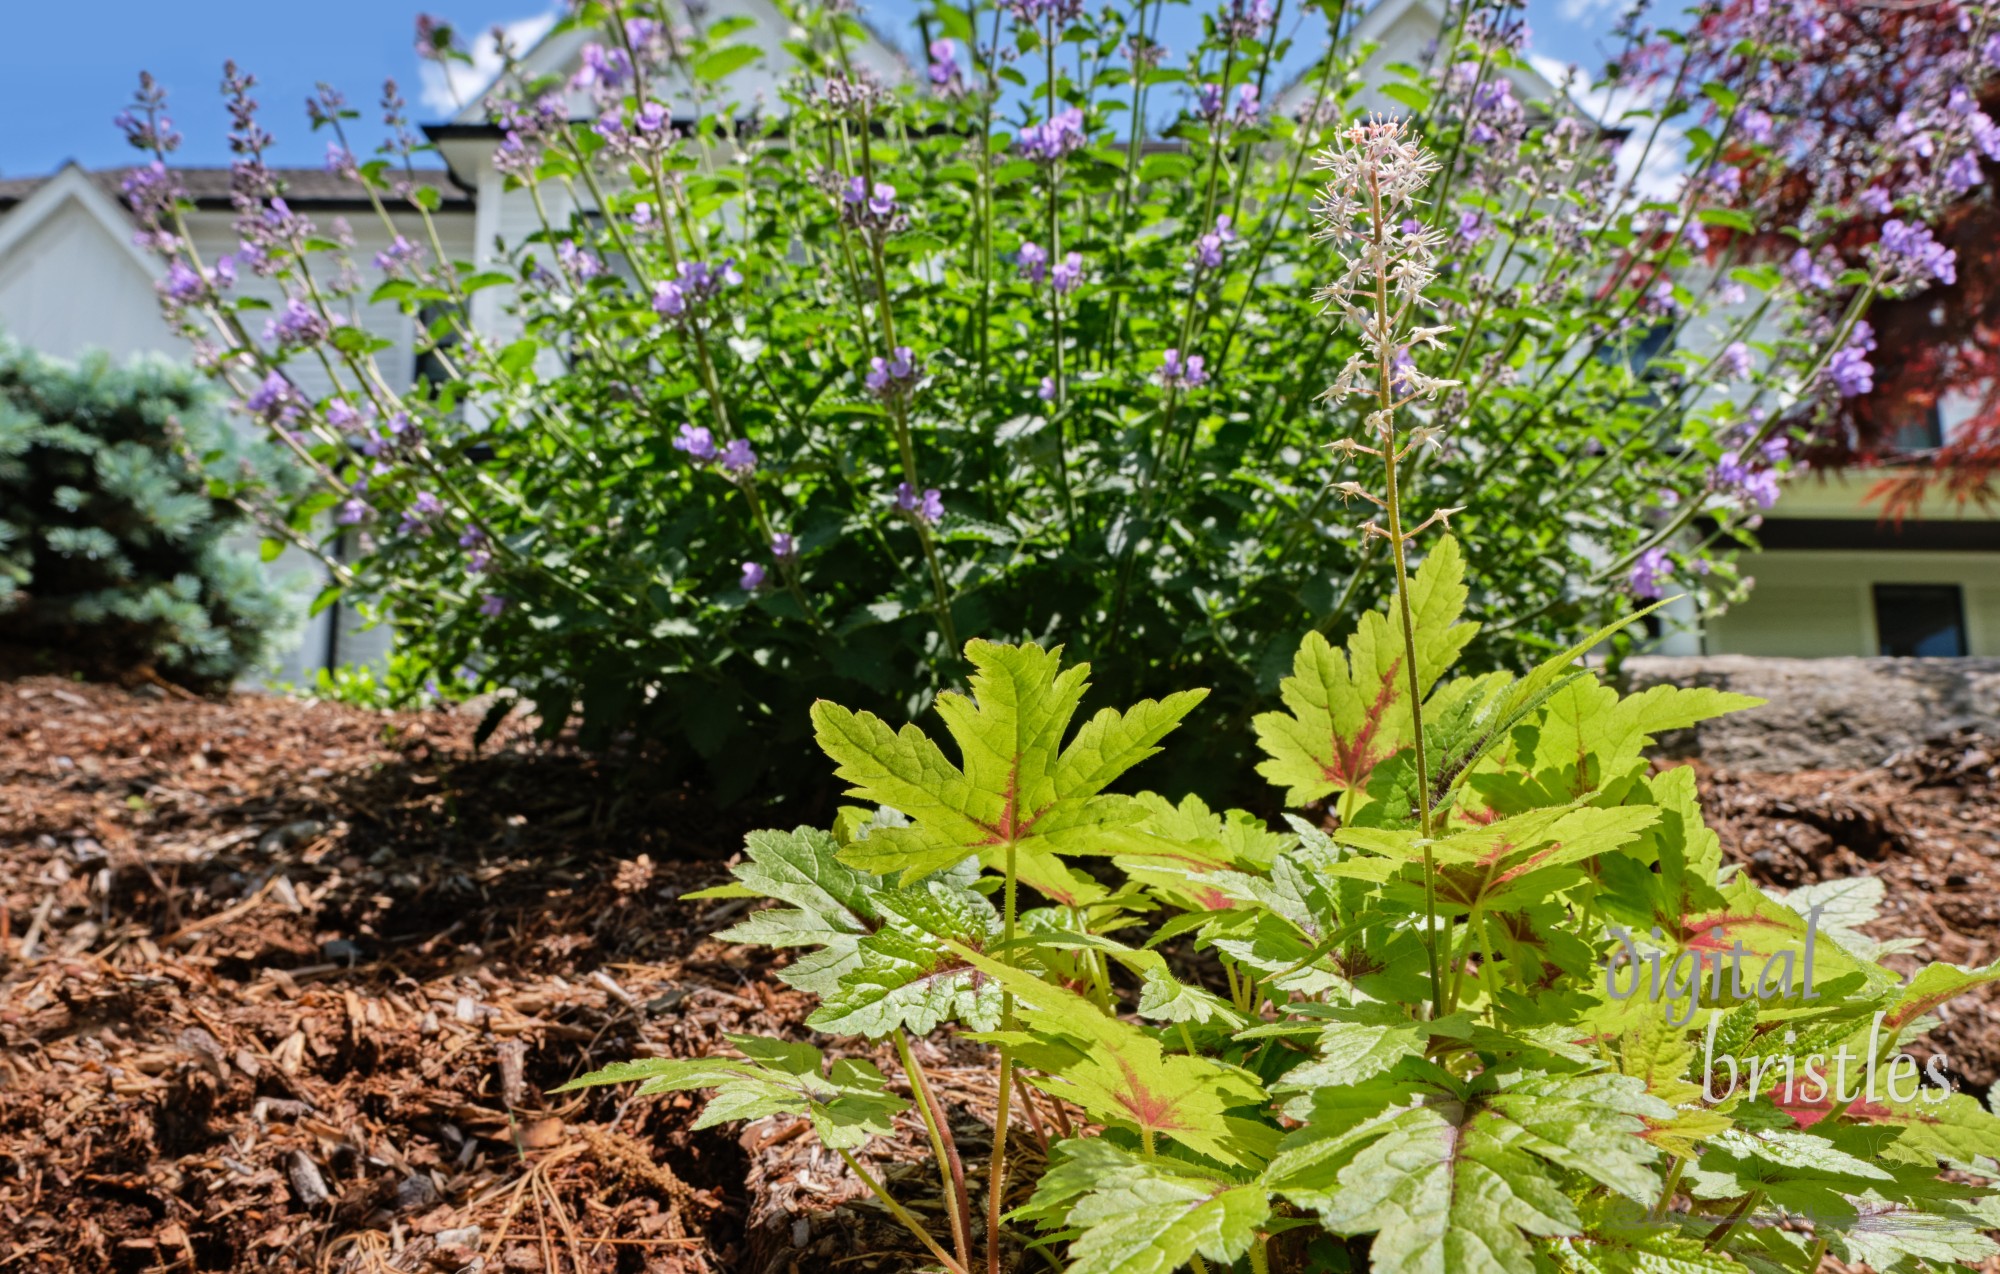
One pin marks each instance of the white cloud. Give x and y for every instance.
(1660, 176)
(449, 88)
(1577, 10)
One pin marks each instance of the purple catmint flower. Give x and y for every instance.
(611, 126)
(1050, 141)
(579, 262)
(652, 119)
(1962, 173)
(1807, 272)
(753, 576)
(927, 508)
(1734, 362)
(944, 69)
(1660, 299)
(492, 604)
(738, 459)
(1248, 19)
(1471, 228)
(1182, 373)
(183, 284)
(871, 207)
(1647, 573)
(784, 547)
(1208, 248)
(417, 517)
(274, 399)
(1757, 126)
(1848, 370)
(698, 442)
(399, 255)
(1208, 101)
(1047, 390)
(1032, 262)
(353, 511)
(1068, 274)
(1248, 109)
(1875, 201)
(342, 415)
(602, 68)
(893, 376)
(698, 284)
(297, 325)
(1912, 257)
(1990, 52)
(642, 216)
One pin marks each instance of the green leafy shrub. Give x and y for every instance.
(791, 402)
(1473, 1021)
(114, 525)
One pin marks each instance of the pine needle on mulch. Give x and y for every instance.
(283, 986)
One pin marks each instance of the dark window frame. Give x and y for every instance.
(1945, 604)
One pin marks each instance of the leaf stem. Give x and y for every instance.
(951, 1171)
(899, 1212)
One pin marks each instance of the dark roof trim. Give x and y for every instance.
(312, 189)
(1869, 534)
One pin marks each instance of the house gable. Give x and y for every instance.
(71, 278)
(560, 54)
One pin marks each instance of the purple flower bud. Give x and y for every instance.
(1248, 107)
(944, 69)
(417, 518)
(1208, 103)
(1047, 391)
(1068, 274)
(783, 547)
(1849, 371)
(1734, 362)
(1644, 581)
(400, 253)
(753, 576)
(353, 511)
(1033, 262)
(738, 459)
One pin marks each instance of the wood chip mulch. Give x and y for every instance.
(284, 986)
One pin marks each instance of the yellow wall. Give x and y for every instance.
(1813, 603)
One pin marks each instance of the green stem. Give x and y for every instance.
(951, 1172)
(899, 1212)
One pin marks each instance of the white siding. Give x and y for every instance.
(69, 286)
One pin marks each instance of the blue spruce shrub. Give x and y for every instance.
(115, 524)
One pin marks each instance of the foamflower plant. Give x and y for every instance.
(1492, 1002)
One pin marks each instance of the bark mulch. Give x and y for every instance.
(284, 985)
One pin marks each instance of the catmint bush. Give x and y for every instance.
(793, 398)
(1489, 1014)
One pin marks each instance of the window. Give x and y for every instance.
(1924, 433)
(1920, 621)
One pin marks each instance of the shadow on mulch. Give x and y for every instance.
(284, 985)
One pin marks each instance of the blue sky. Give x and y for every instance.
(63, 75)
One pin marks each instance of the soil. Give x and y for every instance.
(284, 986)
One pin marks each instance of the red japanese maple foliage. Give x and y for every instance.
(1849, 108)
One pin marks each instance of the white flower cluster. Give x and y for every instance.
(1368, 209)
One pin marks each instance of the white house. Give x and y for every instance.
(1830, 579)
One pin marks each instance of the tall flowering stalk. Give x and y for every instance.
(1377, 174)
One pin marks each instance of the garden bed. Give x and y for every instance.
(282, 986)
